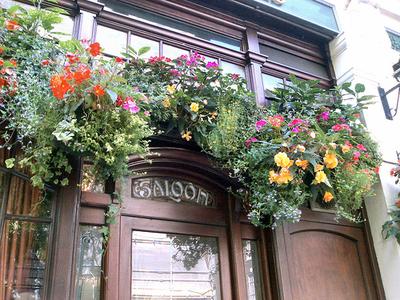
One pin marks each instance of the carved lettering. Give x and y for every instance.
(171, 189)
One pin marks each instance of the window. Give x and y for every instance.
(394, 39)
(26, 232)
(252, 270)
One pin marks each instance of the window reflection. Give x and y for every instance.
(252, 270)
(138, 42)
(271, 82)
(113, 41)
(24, 258)
(89, 263)
(173, 52)
(171, 266)
(232, 68)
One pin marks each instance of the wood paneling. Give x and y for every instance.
(320, 259)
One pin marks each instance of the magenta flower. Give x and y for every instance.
(356, 155)
(339, 127)
(296, 129)
(296, 122)
(174, 72)
(361, 147)
(131, 106)
(323, 116)
(249, 141)
(342, 120)
(260, 124)
(235, 76)
(212, 64)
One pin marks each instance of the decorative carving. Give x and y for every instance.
(171, 189)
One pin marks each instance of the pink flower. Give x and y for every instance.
(361, 147)
(260, 124)
(249, 141)
(296, 122)
(276, 120)
(296, 129)
(212, 64)
(339, 127)
(356, 155)
(147, 113)
(235, 76)
(342, 120)
(174, 72)
(323, 116)
(130, 105)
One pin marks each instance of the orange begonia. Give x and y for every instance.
(59, 86)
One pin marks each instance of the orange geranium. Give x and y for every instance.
(98, 90)
(94, 49)
(83, 73)
(12, 25)
(59, 86)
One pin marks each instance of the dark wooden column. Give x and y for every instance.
(254, 63)
(67, 228)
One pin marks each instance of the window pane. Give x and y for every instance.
(23, 199)
(23, 260)
(232, 68)
(173, 24)
(394, 39)
(271, 83)
(89, 263)
(173, 266)
(138, 42)
(173, 52)
(66, 27)
(252, 270)
(112, 41)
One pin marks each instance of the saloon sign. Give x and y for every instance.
(171, 189)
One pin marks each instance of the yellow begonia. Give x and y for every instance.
(166, 103)
(302, 163)
(330, 160)
(328, 197)
(171, 89)
(318, 167)
(282, 160)
(194, 107)
(345, 148)
(320, 177)
(283, 177)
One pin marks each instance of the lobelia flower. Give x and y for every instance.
(212, 65)
(130, 105)
(249, 141)
(282, 160)
(260, 124)
(328, 197)
(276, 120)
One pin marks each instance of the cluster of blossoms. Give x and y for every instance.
(310, 152)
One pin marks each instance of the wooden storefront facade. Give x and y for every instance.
(180, 235)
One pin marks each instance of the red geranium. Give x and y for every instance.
(94, 49)
(12, 25)
(98, 90)
(59, 86)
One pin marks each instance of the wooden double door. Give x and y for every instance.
(180, 236)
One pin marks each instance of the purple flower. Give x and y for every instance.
(249, 141)
(323, 116)
(296, 129)
(212, 64)
(131, 106)
(260, 124)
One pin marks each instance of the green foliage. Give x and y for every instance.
(391, 228)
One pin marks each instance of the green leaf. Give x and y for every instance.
(143, 50)
(10, 163)
(359, 88)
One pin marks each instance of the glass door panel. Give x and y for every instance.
(174, 266)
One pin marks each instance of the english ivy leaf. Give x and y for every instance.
(10, 163)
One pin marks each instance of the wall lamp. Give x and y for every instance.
(390, 113)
